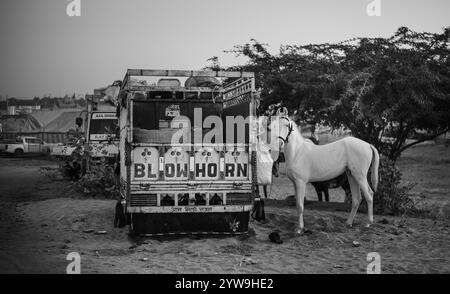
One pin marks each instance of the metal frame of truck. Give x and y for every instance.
(143, 199)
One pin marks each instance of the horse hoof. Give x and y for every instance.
(304, 232)
(367, 225)
(349, 226)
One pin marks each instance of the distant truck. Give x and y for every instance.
(99, 126)
(101, 138)
(22, 145)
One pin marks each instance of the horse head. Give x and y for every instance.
(281, 126)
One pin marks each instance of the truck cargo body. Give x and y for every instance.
(187, 157)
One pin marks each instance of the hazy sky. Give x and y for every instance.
(45, 51)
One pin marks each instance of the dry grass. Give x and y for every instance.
(428, 166)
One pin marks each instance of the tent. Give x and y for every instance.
(19, 123)
(64, 122)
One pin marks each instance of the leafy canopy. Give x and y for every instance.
(385, 90)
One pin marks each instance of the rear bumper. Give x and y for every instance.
(211, 223)
(189, 209)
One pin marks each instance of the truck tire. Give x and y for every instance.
(120, 218)
(18, 153)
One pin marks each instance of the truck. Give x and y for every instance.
(101, 140)
(175, 177)
(96, 131)
(24, 145)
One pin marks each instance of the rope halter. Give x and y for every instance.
(290, 129)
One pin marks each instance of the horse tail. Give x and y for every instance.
(374, 168)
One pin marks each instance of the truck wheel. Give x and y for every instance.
(120, 217)
(18, 153)
(130, 225)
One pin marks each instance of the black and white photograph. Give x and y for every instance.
(216, 139)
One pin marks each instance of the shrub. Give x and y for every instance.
(92, 178)
(98, 181)
(392, 197)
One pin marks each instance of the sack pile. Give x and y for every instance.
(264, 163)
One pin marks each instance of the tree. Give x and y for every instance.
(391, 92)
(214, 64)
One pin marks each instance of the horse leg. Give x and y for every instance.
(348, 195)
(327, 195)
(300, 190)
(346, 187)
(318, 191)
(356, 198)
(265, 191)
(275, 169)
(257, 191)
(368, 195)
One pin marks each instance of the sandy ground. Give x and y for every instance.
(42, 221)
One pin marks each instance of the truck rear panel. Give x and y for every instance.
(190, 185)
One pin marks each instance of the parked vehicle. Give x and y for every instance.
(97, 132)
(101, 138)
(186, 187)
(63, 151)
(24, 145)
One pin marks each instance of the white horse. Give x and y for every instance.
(307, 162)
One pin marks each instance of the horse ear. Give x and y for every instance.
(279, 112)
(282, 111)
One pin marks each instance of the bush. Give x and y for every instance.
(392, 197)
(92, 178)
(98, 181)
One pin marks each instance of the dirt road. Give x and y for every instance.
(22, 249)
(42, 221)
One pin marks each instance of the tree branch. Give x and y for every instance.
(424, 139)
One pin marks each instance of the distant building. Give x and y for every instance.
(22, 109)
(19, 106)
